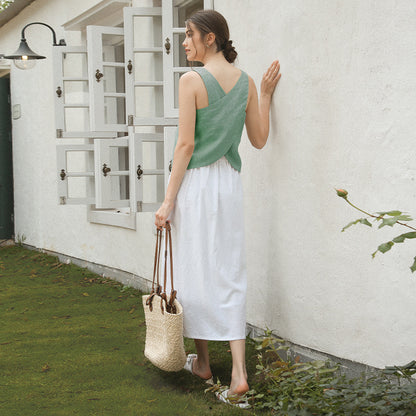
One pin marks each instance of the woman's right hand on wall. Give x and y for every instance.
(270, 79)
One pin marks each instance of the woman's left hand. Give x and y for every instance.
(270, 79)
(163, 213)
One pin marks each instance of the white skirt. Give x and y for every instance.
(209, 252)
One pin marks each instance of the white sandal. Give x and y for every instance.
(188, 367)
(232, 399)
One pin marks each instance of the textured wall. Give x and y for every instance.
(343, 115)
(60, 228)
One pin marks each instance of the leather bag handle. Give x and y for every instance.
(156, 286)
(158, 289)
(170, 306)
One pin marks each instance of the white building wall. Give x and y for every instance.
(44, 223)
(342, 116)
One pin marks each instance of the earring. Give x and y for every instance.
(207, 45)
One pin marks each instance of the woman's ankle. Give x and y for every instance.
(202, 370)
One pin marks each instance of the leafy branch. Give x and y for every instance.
(4, 4)
(389, 218)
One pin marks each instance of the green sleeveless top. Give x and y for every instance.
(218, 127)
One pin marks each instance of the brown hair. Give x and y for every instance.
(207, 21)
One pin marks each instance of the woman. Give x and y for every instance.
(204, 195)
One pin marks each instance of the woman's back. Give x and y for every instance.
(220, 121)
(227, 77)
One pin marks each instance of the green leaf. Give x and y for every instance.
(363, 221)
(405, 218)
(390, 213)
(383, 248)
(395, 216)
(388, 221)
(402, 237)
(413, 266)
(411, 365)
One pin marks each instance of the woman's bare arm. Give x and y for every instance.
(257, 113)
(185, 144)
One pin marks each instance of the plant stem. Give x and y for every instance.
(364, 212)
(406, 225)
(378, 217)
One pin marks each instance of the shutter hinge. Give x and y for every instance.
(139, 172)
(167, 46)
(59, 133)
(62, 200)
(98, 75)
(106, 169)
(62, 174)
(139, 206)
(130, 119)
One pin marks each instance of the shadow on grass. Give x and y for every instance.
(71, 343)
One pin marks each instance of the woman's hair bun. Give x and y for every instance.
(229, 51)
(207, 21)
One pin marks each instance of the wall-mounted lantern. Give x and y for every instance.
(24, 57)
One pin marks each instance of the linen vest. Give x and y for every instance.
(218, 127)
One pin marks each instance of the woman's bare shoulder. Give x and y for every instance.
(190, 80)
(190, 77)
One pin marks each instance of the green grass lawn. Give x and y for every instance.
(71, 343)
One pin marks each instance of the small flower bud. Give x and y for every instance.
(342, 193)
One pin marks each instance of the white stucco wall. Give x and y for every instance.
(342, 116)
(45, 224)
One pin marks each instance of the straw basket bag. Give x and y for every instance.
(164, 316)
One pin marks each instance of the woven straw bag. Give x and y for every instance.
(164, 316)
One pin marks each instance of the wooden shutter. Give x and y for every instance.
(72, 93)
(107, 78)
(75, 173)
(144, 60)
(112, 172)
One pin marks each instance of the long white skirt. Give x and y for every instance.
(209, 252)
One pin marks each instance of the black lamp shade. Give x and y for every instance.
(24, 50)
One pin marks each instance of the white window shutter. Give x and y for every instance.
(75, 173)
(144, 59)
(107, 73)
(149, 170)
(145, 108)
(112, 184)
(72, 94)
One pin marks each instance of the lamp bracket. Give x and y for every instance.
(61, 42)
